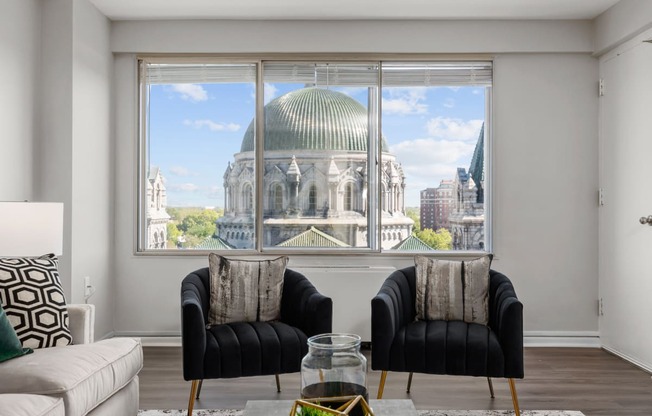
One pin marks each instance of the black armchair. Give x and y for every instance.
(244, 349)
(400, 343)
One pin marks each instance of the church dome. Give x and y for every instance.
(313, 119)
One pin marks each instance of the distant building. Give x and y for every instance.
(444, 202)
(467, 216)
(157, 217)
(427, 209)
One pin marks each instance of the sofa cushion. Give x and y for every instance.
(453, 290)
(30, 405)
(83, 375)
(253, 348)
(31, 294)
(447, 347)
(245, 290)
(10, 346)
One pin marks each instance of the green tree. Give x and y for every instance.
(173, 234)
(191, 225)
(439, 240)
(414, 214)
(197, 226)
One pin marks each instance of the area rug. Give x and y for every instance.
(232, 412)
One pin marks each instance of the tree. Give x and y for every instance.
(193, 225)
(173, 234)
(439, 240)
(414, 215)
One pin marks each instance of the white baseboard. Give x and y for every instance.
(569, 339)
(154, 339)
(626, 357)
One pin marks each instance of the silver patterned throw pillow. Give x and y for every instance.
(245, 290)
(453, 290)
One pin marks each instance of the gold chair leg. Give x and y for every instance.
(491, 387)
(381, 386)
(193, 393)
(278, 384)
(201, 383)
(512, 388)
(409, 383)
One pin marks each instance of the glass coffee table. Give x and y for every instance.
(282, 407)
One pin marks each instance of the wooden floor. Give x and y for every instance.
(590, 380)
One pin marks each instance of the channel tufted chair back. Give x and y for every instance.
(242, 349)
(400, 343)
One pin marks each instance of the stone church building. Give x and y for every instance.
(315, 178)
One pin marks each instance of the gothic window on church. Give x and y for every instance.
(312, 199)
(248, 198)
(278, 198)
(302, 136)
(348, 197)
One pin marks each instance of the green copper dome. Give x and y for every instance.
(313, 119)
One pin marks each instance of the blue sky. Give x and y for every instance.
(195, 129)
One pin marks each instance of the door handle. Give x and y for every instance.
(646, 220)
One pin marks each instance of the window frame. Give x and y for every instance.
(259, 194)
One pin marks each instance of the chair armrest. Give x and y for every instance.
(81, 323)
(506, 320)
(302, 306)
(391, 309)
(193, 327)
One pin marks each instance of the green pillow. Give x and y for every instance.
(10, 346)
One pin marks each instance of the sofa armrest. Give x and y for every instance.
(391, 309)
(506, 320)
(81, 322)
(193, 324)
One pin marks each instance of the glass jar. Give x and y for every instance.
(334, 367)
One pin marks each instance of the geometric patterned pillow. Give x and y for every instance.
(32, 297)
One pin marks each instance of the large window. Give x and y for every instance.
(314, 156)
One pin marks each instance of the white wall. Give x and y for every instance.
(545, 180)
(92, 161)
(74, 152)
(623, 21)
(545, 156)
(20, 48)
(212, 36)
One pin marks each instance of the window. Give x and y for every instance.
(289, 155)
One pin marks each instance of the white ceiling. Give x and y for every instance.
(351, 9)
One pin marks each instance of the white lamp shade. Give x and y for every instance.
(29, 229)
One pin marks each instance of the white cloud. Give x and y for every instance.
(426, 162)
(270, 92)
(426, 153)
(184, 187)
(216, 192)
(449, 103)
(213, 126)
(454, 129)
(181, 171)
(190, 92)
(404, 101)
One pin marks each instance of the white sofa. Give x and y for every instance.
(86, 378)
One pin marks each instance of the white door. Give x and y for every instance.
(626, 178)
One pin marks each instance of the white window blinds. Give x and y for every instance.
(398, 74)
(394, 74)
(196, 73)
